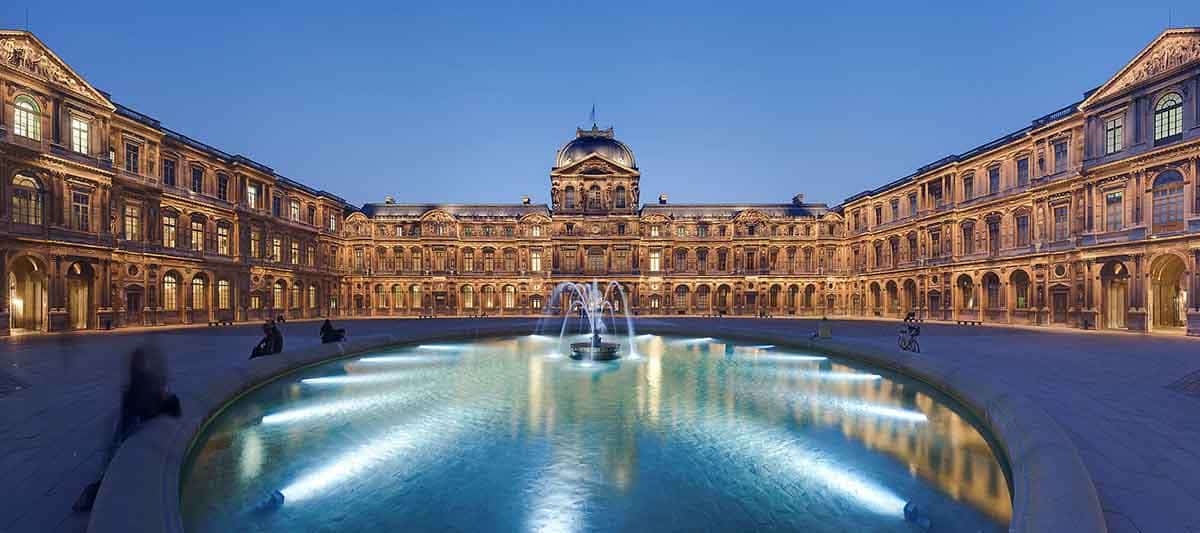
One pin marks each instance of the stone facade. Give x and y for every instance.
(1088, 217)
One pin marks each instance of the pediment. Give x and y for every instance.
(437, 215)
(24, 53)
(1170, 51)
(595, 165)
(751, 215)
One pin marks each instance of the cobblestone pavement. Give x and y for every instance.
(1139, 438)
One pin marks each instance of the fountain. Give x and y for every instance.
(591, 303)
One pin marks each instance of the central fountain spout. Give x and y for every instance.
(590, 302)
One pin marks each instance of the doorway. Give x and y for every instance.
(1167, 293)
(79, 294)
(1058, 304)
(27, 295)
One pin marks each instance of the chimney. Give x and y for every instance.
(798, 199)
(524, 200)
(388, 199)
(662, 199)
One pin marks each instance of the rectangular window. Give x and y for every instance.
(277, 252)
(912, 204)
(133, 223)
(252, 195)
(294, 210)
(655, 260)
(294, 256)
(680, 231)
(1060, 156)
(993, 180)
(1023, 230)
(223, 240)
(277, 206)
(1114, 211)
(80, 211)
(1023, 172)
(878, 215)
(333, 222)
(536, 230)
(1062, 228)
(701, 230)
(168, 172)
(223, 294)
(197, 180)
(312, 216)
(80, 135)
(535, 260)
(169, 228)
(198, 235)
(895, 210)
(223, 187)
(654, 230)
(1114, 135)
(255, 247)
(620, 229)
(131, 157)
(968, 187)
(310, 260)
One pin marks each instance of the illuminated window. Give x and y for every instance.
(1114, 211)
(80, 211)
(27, 118)
(294, 210)
(1168, 201)
(294, 256)
(277, 251)
(80, 135)
(223, 294)
(132, 157)
(198, 297)
(510, 297)
(170, 223)
(133, 223)
(197, 235)
(1062, 227)
(170, 292)
(535, 260)
(655, 260)
(223, 239)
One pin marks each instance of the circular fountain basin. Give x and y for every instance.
(584, 351)
(510, 435)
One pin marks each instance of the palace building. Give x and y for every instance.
(1088, 217)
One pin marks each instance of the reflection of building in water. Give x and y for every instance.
(946, 450)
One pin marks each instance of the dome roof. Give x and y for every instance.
(594, 141)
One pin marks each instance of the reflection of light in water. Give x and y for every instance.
(251, 460)
(785, 358)
(540, 338)
(360, 379)
(445, 347)
(836, 376)
(700, 340)
(770, 446)
(336, 407)
(431, 432)
(401, 359)
(877, 410)
(557, 496)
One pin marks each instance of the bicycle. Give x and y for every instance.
(908, 340)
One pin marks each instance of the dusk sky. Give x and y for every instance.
(454, 102)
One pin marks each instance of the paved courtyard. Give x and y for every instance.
(1139, 437)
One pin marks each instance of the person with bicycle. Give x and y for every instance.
(908, 335)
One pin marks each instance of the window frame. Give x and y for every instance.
(27, 121)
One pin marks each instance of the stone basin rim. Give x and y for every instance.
(1052, 490)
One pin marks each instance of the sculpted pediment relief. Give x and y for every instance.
(750, 215)
(594, 164)
(25, 53)
(1170, 51)
(437, 215)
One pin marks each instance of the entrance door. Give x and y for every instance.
(1058, 299)
(27, 295)
(133, 306)
(751, 302)
(79, 294)
(1114, 300)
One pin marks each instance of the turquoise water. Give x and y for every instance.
(509, 435)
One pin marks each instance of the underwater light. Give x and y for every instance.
(840, 376)
(359, 379)
(784, 358)
(332, 408)
(400, 359)
(877, 410)
(700, 340)
(430, 432)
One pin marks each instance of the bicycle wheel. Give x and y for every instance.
(914, 346)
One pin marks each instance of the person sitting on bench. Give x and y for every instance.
(330, 334)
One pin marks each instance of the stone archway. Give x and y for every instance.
(79, 295)
(1168, 292)
(27, 298)
(1114, 291)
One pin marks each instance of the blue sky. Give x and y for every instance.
(721, 102)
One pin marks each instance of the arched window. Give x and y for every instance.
(26, 200)
(1168, 201)
(1168, 118)
(414, 297)
(223, 294)
(297, 298)
(397, 297)
(277, 295)
(619, 197)
(312, 296)
(510, 297)
(489, 297)
(198, 298)
(170, 292)
(468, 297)
(380, 297)
(569, 197)
(27, 118)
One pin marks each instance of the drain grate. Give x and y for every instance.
(1189, 384)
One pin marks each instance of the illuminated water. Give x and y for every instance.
(507, 435)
